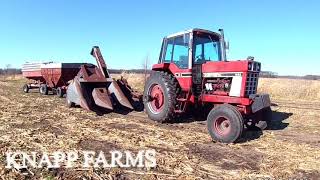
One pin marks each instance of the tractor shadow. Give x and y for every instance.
(275, 125)
(118, 109)
(99, 111)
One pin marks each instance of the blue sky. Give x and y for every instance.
(283, 35)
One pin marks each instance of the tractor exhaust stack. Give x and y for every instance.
(223, 46)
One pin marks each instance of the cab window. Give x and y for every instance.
(169, 51)
(206, 48)
(181, 51)
(177, 51)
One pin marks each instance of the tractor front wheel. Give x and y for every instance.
(160, 96)
(225, 123)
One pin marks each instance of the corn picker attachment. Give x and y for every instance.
(94, 89)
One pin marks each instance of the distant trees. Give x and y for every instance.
(312, 77)
(268, 74)
(9, 71)
(145, 66)
(8, 66)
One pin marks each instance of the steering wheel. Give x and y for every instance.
(199, 58)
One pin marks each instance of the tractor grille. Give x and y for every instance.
(252, 83)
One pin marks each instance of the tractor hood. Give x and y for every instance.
(231, 66)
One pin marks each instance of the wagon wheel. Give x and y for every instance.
(43, 89)
(26, 88)
(59, 92)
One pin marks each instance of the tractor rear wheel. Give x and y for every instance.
(59, 92)
(26, 88)
(225, 123)
(43, 89)
(160, 96)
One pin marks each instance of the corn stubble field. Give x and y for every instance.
(291, 149)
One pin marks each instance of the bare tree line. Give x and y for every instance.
(8, 70)
(270, 74)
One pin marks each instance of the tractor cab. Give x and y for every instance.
(195, 46)
(186, 53)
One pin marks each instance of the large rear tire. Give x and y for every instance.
(225, 123)
(160, 96)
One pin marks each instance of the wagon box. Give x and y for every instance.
(49, 76)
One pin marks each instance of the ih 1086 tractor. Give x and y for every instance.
(193, 72)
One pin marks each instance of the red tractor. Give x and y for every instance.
(193, 72)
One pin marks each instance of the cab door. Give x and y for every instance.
(176, 51)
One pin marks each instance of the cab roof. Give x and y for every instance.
(191, 30)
